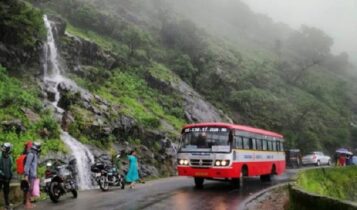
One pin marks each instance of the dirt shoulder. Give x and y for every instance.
(275, 199)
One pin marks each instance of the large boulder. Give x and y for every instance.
(13, 125)
(125, 126)
(81, 52)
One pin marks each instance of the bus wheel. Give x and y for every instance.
(265, 178)
(237, 182)
(199, 182)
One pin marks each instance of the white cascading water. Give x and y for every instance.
(53, 77)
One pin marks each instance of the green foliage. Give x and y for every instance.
(21, 24)
(281, 81)
(138, 100)
(13, 97)
(104, 42)
(51, 126)
(340, 183)
(11, 93)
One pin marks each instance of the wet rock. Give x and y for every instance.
(148, 170)
(32, 116)
(81, 52)
(13, 125)
(50, 94)
(67, 99)
(58, 26)
(145, 154)
(67, 120)
(125, 126)
(161, 85)
(65, 87)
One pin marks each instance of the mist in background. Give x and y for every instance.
(337, 18)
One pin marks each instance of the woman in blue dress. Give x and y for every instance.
(133, 174)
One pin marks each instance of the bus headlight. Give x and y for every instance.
(221, 163)
(181, 162)
(224, 163)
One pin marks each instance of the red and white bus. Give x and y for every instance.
(229, 152)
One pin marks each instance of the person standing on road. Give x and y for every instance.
(342, 160)
(6, 171)
(31, 171)
(133, 173)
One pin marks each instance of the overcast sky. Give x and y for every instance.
(338, 18)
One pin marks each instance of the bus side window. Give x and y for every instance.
(274, 146)
(265, 144)
(259, 144)
(238, 142)
(281, 146)
(245, 143)
(278, 146)
(252, 144)
(270, 146)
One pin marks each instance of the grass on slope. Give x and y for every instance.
(13, 100)
(340, 183)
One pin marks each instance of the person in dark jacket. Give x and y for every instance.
(6, 171)
(31, 170)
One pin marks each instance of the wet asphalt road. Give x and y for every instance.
(175, 193)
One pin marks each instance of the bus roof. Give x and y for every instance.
(238, 127)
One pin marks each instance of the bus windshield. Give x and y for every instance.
(206, 139)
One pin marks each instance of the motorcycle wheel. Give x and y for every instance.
(103, 183)
(74, 193)
(54, 192)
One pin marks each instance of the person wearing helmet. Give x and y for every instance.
(31, 170)
(6, 171)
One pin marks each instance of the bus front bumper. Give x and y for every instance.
(221, 172)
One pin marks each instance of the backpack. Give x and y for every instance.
(20, 164)
(21, 160)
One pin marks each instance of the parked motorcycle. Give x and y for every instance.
(107, 175)
(60, 178)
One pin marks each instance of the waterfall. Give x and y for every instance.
(52, 78)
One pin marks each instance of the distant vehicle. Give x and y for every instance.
(316, 158)
(293, 158)
(229, 152)
(354, 160)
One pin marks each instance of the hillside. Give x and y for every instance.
(284, 80)
(152, 66)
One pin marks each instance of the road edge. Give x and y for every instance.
(252, 198)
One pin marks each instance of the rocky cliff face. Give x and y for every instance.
(106, 121)
(88, 116)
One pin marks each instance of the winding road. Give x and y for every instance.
(175, 193)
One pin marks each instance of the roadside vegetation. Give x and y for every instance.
(340, 183)
(23, 118)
